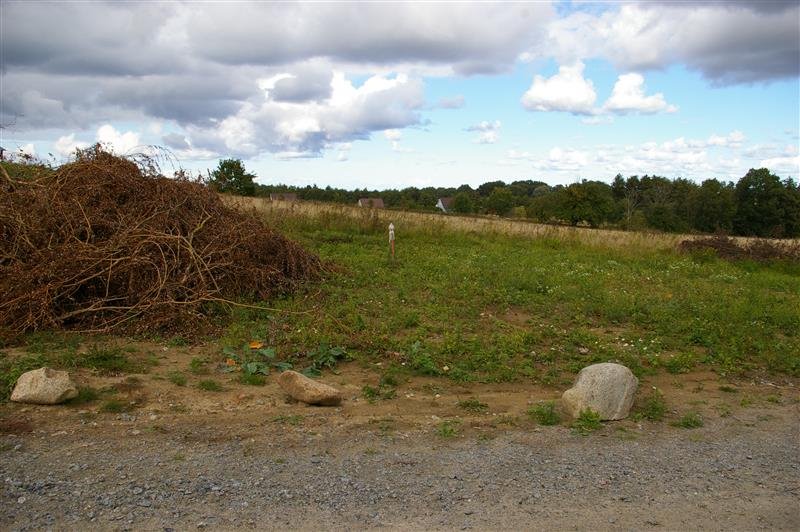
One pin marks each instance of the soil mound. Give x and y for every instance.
(106, 243)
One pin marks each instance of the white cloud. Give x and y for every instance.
(452, 102)
(66, 145)
(393, 134)
(725, 41)
(489, 132)
(787, 165)
(307, 128)
(628, 96)
(566, 91)
(122, 143)
(734, 138)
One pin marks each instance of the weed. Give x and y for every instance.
(209, 385)
(372, 394)
(292, 419)
(177, 341)
(723, 410)
(448, 428)
(690, 420)
(653, 408)
(198, 366)
(728, 389)
(773, 399)
(587, 422)
(116, 406)
(252, 379)
(473, 405)
(177, 378)
(545, 413)
(746, 401)
(179, 457)
(324, 357)
(86, 394)
(107, 360)
(682, 363)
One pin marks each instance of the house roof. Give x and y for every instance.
(446, 202)
(283, 197)
(375, 203)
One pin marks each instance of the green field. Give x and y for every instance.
(488, 307)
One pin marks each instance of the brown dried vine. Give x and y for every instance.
(104, 244)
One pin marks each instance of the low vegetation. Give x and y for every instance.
(587, 422)
(545, 413)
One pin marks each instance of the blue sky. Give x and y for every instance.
(380, 95)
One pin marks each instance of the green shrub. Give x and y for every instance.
(587, 421)
(545, 413)
(690, 420)
(209, 385)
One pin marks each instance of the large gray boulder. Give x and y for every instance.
(606, 388)
(44, 386)
(300, 387)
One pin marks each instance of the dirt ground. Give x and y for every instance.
(247, 457)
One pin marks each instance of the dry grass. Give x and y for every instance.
(436, 223)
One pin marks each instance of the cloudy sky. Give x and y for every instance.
(398, 94)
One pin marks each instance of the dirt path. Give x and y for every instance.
(245, 458)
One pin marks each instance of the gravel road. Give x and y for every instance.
(731, 474)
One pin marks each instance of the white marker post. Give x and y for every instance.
(391, 239)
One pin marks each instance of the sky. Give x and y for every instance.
(389, 95)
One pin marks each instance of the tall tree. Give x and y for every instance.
(230, 176)
(760, 203)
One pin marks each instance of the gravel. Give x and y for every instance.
(727, 475)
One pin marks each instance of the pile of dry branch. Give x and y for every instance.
(104, 243)
(757, 249)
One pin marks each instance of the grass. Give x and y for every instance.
(86, 394)
(587, 422)
(252, 379)
(209, 385)
(557, 301)
(292, 419)
(116, 406)
(198, 366)
(690, 420)
(177, 378)
(448, 428)
(372, 394)
(545, 413)
(653, 407)
(473, 405)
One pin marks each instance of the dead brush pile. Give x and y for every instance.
(104, 244)
(758, 250)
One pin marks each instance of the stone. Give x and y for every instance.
(606, 388)
(301, 388)
(44, 386)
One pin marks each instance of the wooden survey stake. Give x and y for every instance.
(391, 239)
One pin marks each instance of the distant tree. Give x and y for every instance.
(230, 176)
(500, 201)
(588, 201)
(463, 203)
(761, 200)
(487, 188)
(713, 206)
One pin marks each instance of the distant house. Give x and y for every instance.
(445, 204)
(283, 197)
(371, 203)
